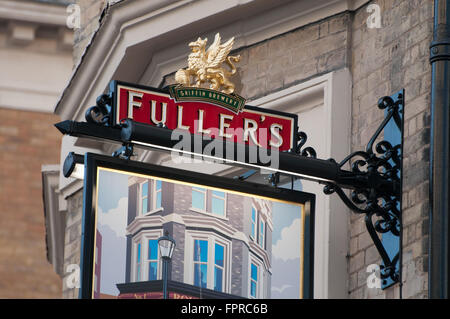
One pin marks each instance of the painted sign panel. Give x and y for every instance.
(226, 232)
(204, 111)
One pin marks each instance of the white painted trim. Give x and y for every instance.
(141, 222)
(42, 13)
(53, 219)
(143, 239)
(190, 236)
(205, 212)
(50, 168)
(257, 250)
(260, 284)
(209, 222)
(71, 188)
(330, 94)
(154, 211)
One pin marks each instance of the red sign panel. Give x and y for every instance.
(251, 125)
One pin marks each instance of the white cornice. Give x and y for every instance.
(36, 42)
(40, 13)
(209, 222)
(141, 222)
(258, 251)
(54, 232)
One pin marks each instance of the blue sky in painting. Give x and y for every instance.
(113, 186)
(112, 213)
(286, 241)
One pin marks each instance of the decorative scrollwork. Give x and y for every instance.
(379, 198)
(124, 152)
(301, 141)
(101, 112)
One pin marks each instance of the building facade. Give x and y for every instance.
(35, 62)
(327, 61)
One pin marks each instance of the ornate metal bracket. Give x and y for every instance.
(381, 165)
(101, 112)
(301, 137)
(375, 183)
(124, 152)
(374, 178)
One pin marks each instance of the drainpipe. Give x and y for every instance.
(439, 152)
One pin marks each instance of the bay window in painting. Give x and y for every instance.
(200, 263)
(138, 271)
(209, 265)
(152, 259)
(256, 281)
(147, 264)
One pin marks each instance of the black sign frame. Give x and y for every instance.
(92, 162)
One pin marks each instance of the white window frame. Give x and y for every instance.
(143, 239)
(137, 249)
(260, 278)
(199, 262)
(151, 197)
(224, 203)
(205, 198)
(223, 268)
(142, 197)
(261, 235)
(147, 261)
(254, 225)
(155, 192)
(212, 239)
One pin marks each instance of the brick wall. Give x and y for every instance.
(384, 61)
(291, 58)
(27, 141)
(72, 242)
(90, 11)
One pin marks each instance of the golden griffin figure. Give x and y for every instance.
(206, 65)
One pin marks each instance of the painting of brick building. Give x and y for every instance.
(228, 244)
